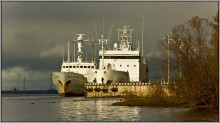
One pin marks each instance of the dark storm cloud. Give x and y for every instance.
(32, 32)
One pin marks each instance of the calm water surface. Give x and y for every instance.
(55, 108)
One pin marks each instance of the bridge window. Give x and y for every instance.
(120, 65)
(77, 66)
(85, 66)
(67, 67)
(134, 65)
(81, 66)
(92, 66)
(74, 66)
(88, 66)
(71, 66)
(63, 66)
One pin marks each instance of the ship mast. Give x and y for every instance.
(109, 35)
(142, 48)
(74, 48)
(93, 49)
(24, 84)
(79, 41)
(68, 52)
(102, 41)
(62, 51)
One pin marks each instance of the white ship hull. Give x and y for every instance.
(69, 83)
(111, 76)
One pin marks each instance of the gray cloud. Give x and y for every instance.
(32, 32)
(34, 79)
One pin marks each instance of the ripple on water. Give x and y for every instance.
(92, 109)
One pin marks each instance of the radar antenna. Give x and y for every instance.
(124, 36)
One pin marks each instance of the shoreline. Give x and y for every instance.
(30, 92)
(160, 102)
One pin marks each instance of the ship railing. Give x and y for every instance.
(126, 83)
(77, 62)
(132, 83)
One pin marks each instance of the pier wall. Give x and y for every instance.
(123, 89)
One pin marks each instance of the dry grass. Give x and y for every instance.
(152, 101)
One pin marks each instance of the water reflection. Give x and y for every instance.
(177, 114)
(161, 114)
(200, 114)
(96, 110)
(55, 108)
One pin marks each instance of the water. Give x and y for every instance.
(55, 108)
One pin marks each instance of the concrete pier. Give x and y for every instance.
(122, 89)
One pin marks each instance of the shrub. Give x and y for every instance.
(114, 89)
(97, 89)
(90, 89)
(105, 90)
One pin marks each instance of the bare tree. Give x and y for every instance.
(190, 59)
(214, 60)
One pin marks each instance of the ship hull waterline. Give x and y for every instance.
(69, 84)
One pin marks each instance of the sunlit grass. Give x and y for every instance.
(152, 101)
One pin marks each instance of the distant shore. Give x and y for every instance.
(27, 92)
(30, 92)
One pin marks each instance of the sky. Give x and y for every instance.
(33, 33)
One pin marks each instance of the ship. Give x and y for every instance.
(73, 76)
(123, 57)
(106, 74)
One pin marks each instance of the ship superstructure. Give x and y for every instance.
(105, 75)
(123, 58)
(79, 66)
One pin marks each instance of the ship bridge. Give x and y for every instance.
(112, 54)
